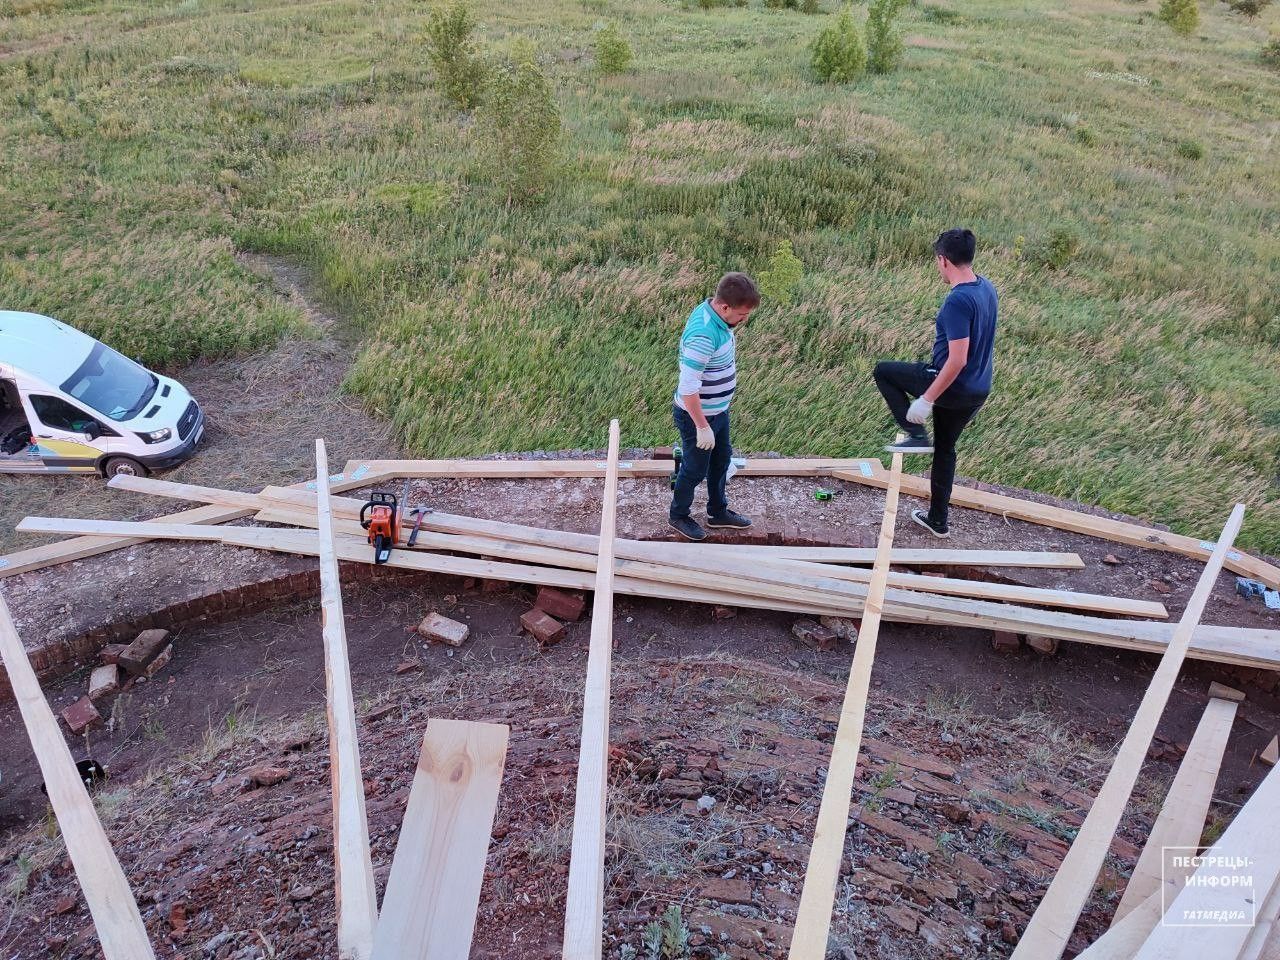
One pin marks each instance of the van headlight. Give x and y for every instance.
(156, 436)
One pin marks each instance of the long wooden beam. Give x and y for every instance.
(1250, 847)
(106, 891)
(79, 548)
(429, 910)
(763, 569)
(584, 903)
(1119, 531)
(356, 894)
(813, 915)
(1051, 925)
(1181, 819)
(587, 543)
(1233, 645)
(541, 469)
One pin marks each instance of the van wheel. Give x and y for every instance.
(124, 466)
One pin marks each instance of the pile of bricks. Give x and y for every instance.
(552, 608)
(148, 654)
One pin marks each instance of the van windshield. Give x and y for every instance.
(112, 384)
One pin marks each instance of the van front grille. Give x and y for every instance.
(188, 420)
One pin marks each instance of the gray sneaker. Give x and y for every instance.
(913, 443)
(922, 518)
(688, 528)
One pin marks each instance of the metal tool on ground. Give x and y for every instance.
(822, 494)
(1253, 588)
(675, 469)
(380, 516)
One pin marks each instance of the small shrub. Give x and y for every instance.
(453, 52)
(1190, 149)
(519, 123)
(712, 4)
(778, 280)
(597, 7)
(1270, 54)
(810, 6)
(884, 42)
(1060, 248)
(613, 53)
(1248, 8)
(838, 54)
(781, 4)
(1085, 136)
(936, 14)
(1183, 16)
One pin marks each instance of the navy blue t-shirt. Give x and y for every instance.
(969, 312)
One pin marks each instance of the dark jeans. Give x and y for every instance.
(698, 465)
(899, 383)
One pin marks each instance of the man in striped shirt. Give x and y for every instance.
(708, 376)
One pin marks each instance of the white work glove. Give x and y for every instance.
(919, 411)
(706, 439)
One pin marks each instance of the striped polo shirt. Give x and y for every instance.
(707, 360)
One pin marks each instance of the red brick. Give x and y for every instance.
(82, 715)
(160, 662)
(737, 890)
(561, 605)
(1046, 646)
(111, 652)
(814, 635)
(663, 453)
(494, 586)
(1002, 641)
(148, 646)
(443, 630)
(546, 630)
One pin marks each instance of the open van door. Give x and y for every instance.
(65, 436)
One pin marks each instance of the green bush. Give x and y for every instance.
(838, 54)
(1248, 8)
(1190, 149)
(778, 280)
(454, 54)
(613, 53)
(1182, 15)
(1059, 249)
(781, 4)
(810, 6)
(1270, 54)
(519, 123)
(884, 42)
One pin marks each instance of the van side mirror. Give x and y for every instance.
(93, 430)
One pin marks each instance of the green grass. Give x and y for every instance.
(1122, 181)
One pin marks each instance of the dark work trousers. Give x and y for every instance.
(698, 465)
(900, 383)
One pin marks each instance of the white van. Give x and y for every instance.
(69, 404)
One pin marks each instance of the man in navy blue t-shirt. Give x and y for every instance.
(954, 385)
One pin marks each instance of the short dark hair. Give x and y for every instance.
(737, 290)
(958, 245)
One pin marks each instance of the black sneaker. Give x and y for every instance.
(922, 518)
(729, 519)
(688, 528)
(913, 443)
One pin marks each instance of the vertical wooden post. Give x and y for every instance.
(813, 916)
(354, 888)
(584, 905)
(106, 891)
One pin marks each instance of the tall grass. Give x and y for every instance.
(1139, 354)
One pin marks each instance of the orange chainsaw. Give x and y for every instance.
(381, 518)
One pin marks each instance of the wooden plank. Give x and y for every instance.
(355, 891)
(106, 891)
(1120, 531)
(539, 469)
(79, 548)
(1124, 938)
(584, 903)
(813, 916)
(1250, 846)
(1230, 645)
(1051, 925)
(429, 910)
(1264, 939)
(766, 569)
(1181, 818)
(349, 508)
